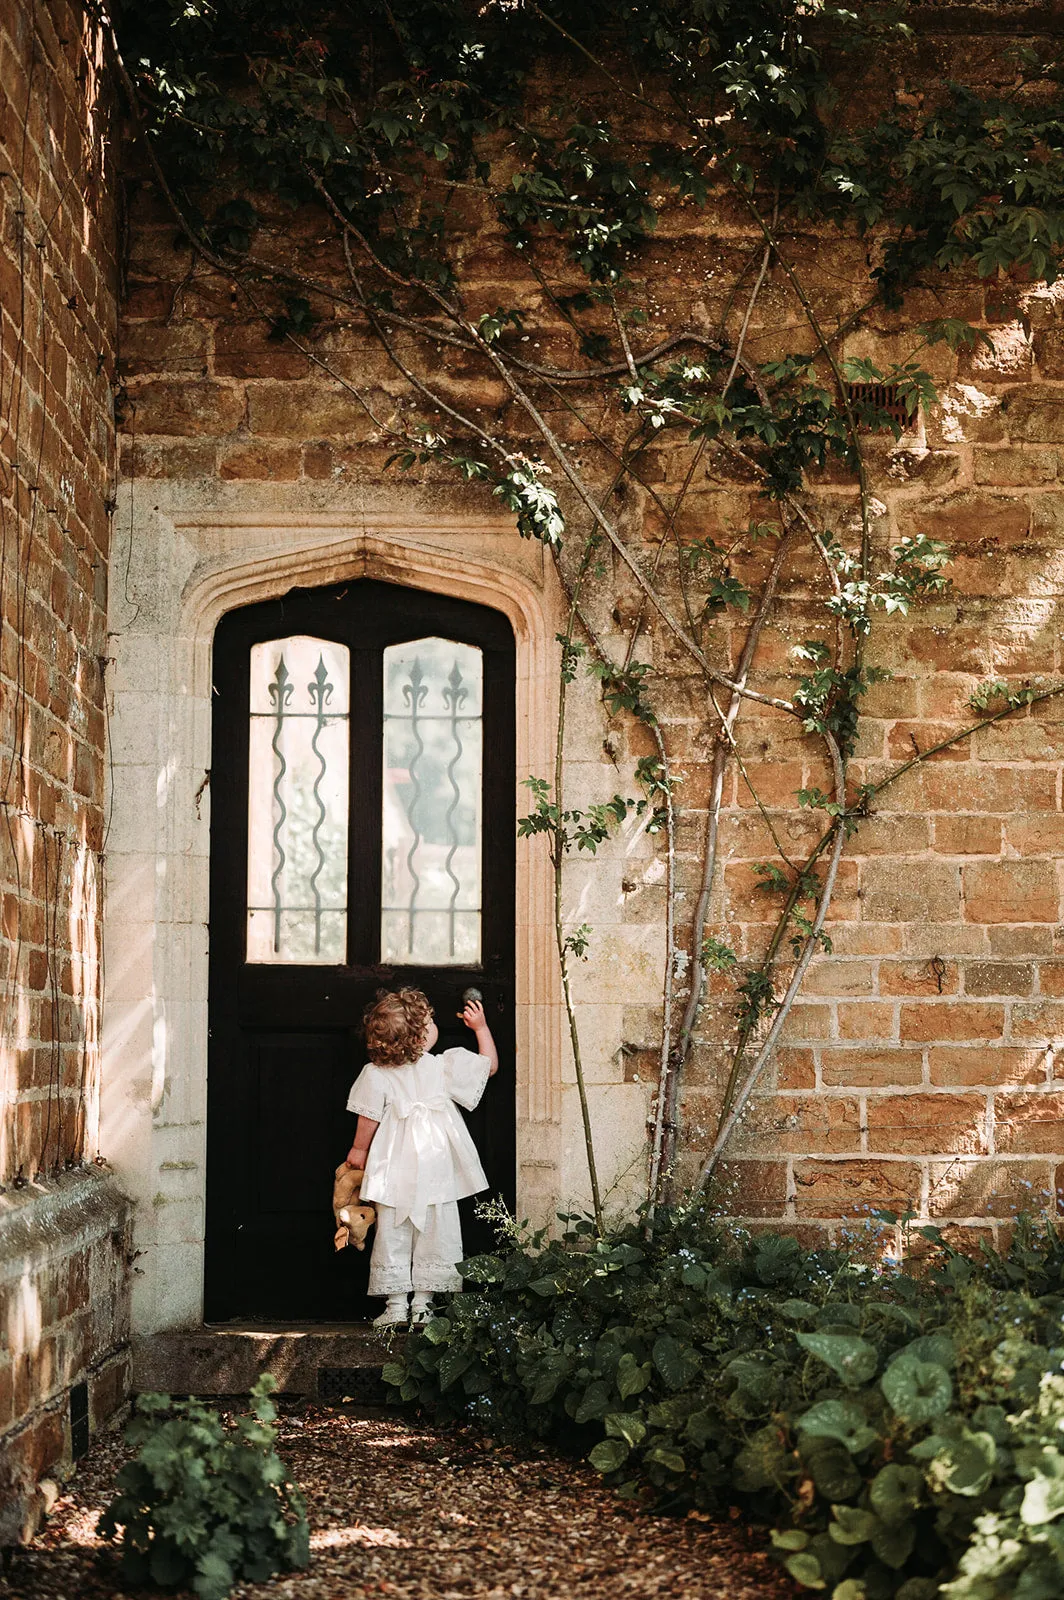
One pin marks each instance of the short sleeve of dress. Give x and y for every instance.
(465, 1075)
(367, 1096)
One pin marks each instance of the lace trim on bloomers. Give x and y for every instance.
(439, 1277)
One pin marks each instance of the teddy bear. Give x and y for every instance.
(353, 1221)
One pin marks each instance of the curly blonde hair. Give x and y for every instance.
(396, 1026)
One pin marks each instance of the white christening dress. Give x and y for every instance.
(421, 1162)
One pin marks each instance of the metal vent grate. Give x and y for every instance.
(883, 396)
(361, 1384)
(79, 1420)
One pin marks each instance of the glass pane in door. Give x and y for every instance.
(430, 877)
(298, 801)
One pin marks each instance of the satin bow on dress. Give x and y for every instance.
(422, 1153)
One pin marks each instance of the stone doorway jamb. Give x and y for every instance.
(186, 572)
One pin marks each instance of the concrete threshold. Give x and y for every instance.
(324, 1361)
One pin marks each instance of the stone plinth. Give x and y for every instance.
(64, 1295)
(328, 1363)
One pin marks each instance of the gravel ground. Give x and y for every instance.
(402, 1509)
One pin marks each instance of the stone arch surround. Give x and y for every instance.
(174, 574)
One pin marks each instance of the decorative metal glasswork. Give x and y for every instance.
(298, 801)
(430, 901)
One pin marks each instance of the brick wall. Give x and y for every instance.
(63, 1302)
(919, 1066)
(922, 1065)
(57, 351)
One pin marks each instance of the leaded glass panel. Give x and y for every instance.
(431, 897)
(298, 801)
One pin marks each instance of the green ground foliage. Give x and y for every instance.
(903, 1431)
(203, 1505)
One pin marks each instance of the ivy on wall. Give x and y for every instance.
(560, 141)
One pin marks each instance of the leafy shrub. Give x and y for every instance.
(203, 1505)
(901, 1431)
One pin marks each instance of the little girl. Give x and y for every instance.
(418, 1156)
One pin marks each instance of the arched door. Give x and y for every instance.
(362, 836)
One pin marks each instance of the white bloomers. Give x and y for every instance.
(405, 1257)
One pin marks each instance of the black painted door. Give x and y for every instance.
(390, 671)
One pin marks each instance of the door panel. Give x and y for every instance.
(286, 1028)
(286, 1148)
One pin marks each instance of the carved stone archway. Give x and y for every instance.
(179, 575)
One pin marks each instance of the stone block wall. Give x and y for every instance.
(63, 1244)
(64, 1265)
(920, 1067)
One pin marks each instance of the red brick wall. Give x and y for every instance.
(57, 350)
(64, 1241)
(919, 1066)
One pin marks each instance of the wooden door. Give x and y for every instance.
(362, 837)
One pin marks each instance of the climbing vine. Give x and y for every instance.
(477, 190)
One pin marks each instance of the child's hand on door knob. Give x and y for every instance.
(472, 1014)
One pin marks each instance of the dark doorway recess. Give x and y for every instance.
(285, 1035)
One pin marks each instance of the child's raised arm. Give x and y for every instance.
(364, 1131)
(473, 1016)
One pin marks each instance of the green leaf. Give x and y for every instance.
(805, 1569)
(852, 1525)
(852, 1358)
(594, 1402)
(937, 1347)
(789, 1538)
(831, 1467)
(838, 1419)
(552, 1374)
(608, 1455)
(670, 1415)
(763, 1462)
(799, 1310)
(632, 1376)
(893, 1542)
(896, 1491)
(438, 1331)
(703, 1428)
(214, 1578)
(393, 1373)
(677, 1363)
(451, 1366)
(849, 1589)
(967, 1467)
(917, 1390)
(626, 1425)
(672, 1459)
(1043, 1498)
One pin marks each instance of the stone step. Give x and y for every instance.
(329, 1362)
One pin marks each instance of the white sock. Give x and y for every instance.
(394, 1311)
(421, 1304)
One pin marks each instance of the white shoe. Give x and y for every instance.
(395, 1313)
(421, 1309)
